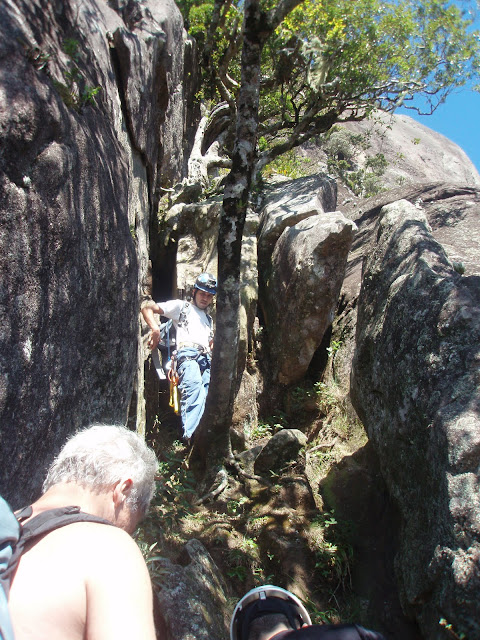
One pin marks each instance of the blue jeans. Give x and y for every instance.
(194, 379)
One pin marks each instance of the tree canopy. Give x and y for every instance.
(333, 61)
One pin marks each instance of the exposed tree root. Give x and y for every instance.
(219, 484)
(249, 476)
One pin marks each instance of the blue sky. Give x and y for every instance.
(458, 119)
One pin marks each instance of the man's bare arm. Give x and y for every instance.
(119, 591)
(148, 311)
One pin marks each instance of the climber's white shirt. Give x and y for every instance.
(195, 328)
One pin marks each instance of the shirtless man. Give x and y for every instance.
(88, 581)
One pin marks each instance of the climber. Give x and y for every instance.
(272, 612)
(194, 329)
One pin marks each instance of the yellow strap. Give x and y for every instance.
(175, 399)
(173, 402)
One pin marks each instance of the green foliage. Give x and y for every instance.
(216, 28)
(386, 50)
(261, 430)
(70, 46)
(171, 500)
(289, 164)
(239, 572)
(88, 95)
(269, 426)
(301, 400)
(74, 91)
(244, 559)
(334, 553)
(343, 149)
(334, 347)
(321, 616)
(235, 507)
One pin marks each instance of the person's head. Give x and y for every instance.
(108, 458)
(204, 289)
(266, 610)
(267, 626)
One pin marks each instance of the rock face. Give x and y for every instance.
(415, 385)
(452, 211)
(192, 600)
(414, 152)
(84, 114)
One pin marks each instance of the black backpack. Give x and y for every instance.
(14, 536)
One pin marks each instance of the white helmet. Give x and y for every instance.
(263, 601)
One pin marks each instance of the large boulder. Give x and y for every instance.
(192, 596)
(286, 202)
(84, 101)
(415, 385)
(452, 212)
(306, 275)
(283, 448)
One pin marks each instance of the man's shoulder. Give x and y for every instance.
(171, 308)
(99, 530)
(97, 547)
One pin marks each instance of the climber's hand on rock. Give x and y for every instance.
(153, 338)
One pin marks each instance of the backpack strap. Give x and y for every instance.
(186, 309)
(52, 519)
(183, 313)
(40, 525)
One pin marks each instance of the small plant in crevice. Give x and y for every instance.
(74, 91)
(327, 396)
(268, 427)
(243, 560)
(333, 551)
(236, 507)
(170, 502)
(153, 557)
(334, 347)
(322, 616)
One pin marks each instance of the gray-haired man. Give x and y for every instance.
(87, 580)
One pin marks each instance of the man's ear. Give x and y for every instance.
(121, 491)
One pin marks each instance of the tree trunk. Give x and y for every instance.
(212, 443)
